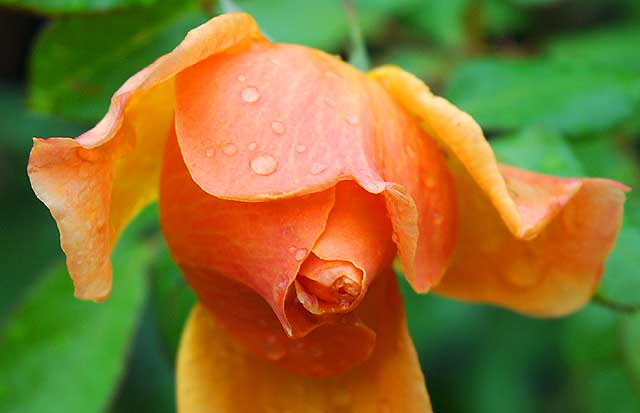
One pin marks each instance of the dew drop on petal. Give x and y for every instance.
(278, 127)
(264, 164)
(274, 61)
(317, 168)
(250, 94)
(301, 148)
(209, 152)
(330, 74)
(292, 249)
(242, 78)
(229, 149)
(273, 349)
(353, 119)
(437, 218)
(300, 254)
(252, 146)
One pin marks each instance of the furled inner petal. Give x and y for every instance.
(355, 246)
(335, 284)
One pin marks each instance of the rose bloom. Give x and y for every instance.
(288, 181)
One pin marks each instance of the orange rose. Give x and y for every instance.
(288, 180)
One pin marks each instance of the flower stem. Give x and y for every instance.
(615, 305)
(358, 55)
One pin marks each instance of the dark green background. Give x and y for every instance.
(555, 84)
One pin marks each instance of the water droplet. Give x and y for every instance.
(242, 78)
(209, 152)
(394, 238)
(250, 94)
(229, 149)
(300, 254)
(252, 146)
(330, 102)
(317, 168)
(274, 61)
(273, 349)
(330, 74)
(264, 164)
(301, 148)
(292, 249)
(353, 119)
(278, 127)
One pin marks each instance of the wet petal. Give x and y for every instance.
(550, 275)
(258, 244)
(530, 242)
(283, 120)
(96, 183)
(215, 374)
(354, 248)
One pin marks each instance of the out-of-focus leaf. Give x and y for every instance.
(443, 21)
(149, 383)
(171, 300)
(621, 281)
(593, 348)
(565, 95)
(615, 48)
(631, 346)
(78, 62)
(19, 125)
(59, 354)
(422, 62)
(538, 150)
(319, 24)
(74, 6)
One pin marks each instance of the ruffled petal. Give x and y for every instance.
(529, 242)
(95, 184)
(215, 374)
(550, 275)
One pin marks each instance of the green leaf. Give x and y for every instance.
(319, 24)
(564, 95)
(621, 282)
(441, 20)
(631, 347)
(171, 300)
(59, 354)
(595, 353)
(74, 6)
(78, 62)
(538, 150)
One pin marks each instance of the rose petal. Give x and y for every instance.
(215, 374)
(258, 244)
(550, 275)
(526, 241)
(95, 184)
(280, 120)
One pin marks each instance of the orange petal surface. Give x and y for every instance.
(241, 258)
(96, 183)
(215, 374)
(281, 120)
(529, 242)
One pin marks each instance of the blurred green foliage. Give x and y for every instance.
(555, 84)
